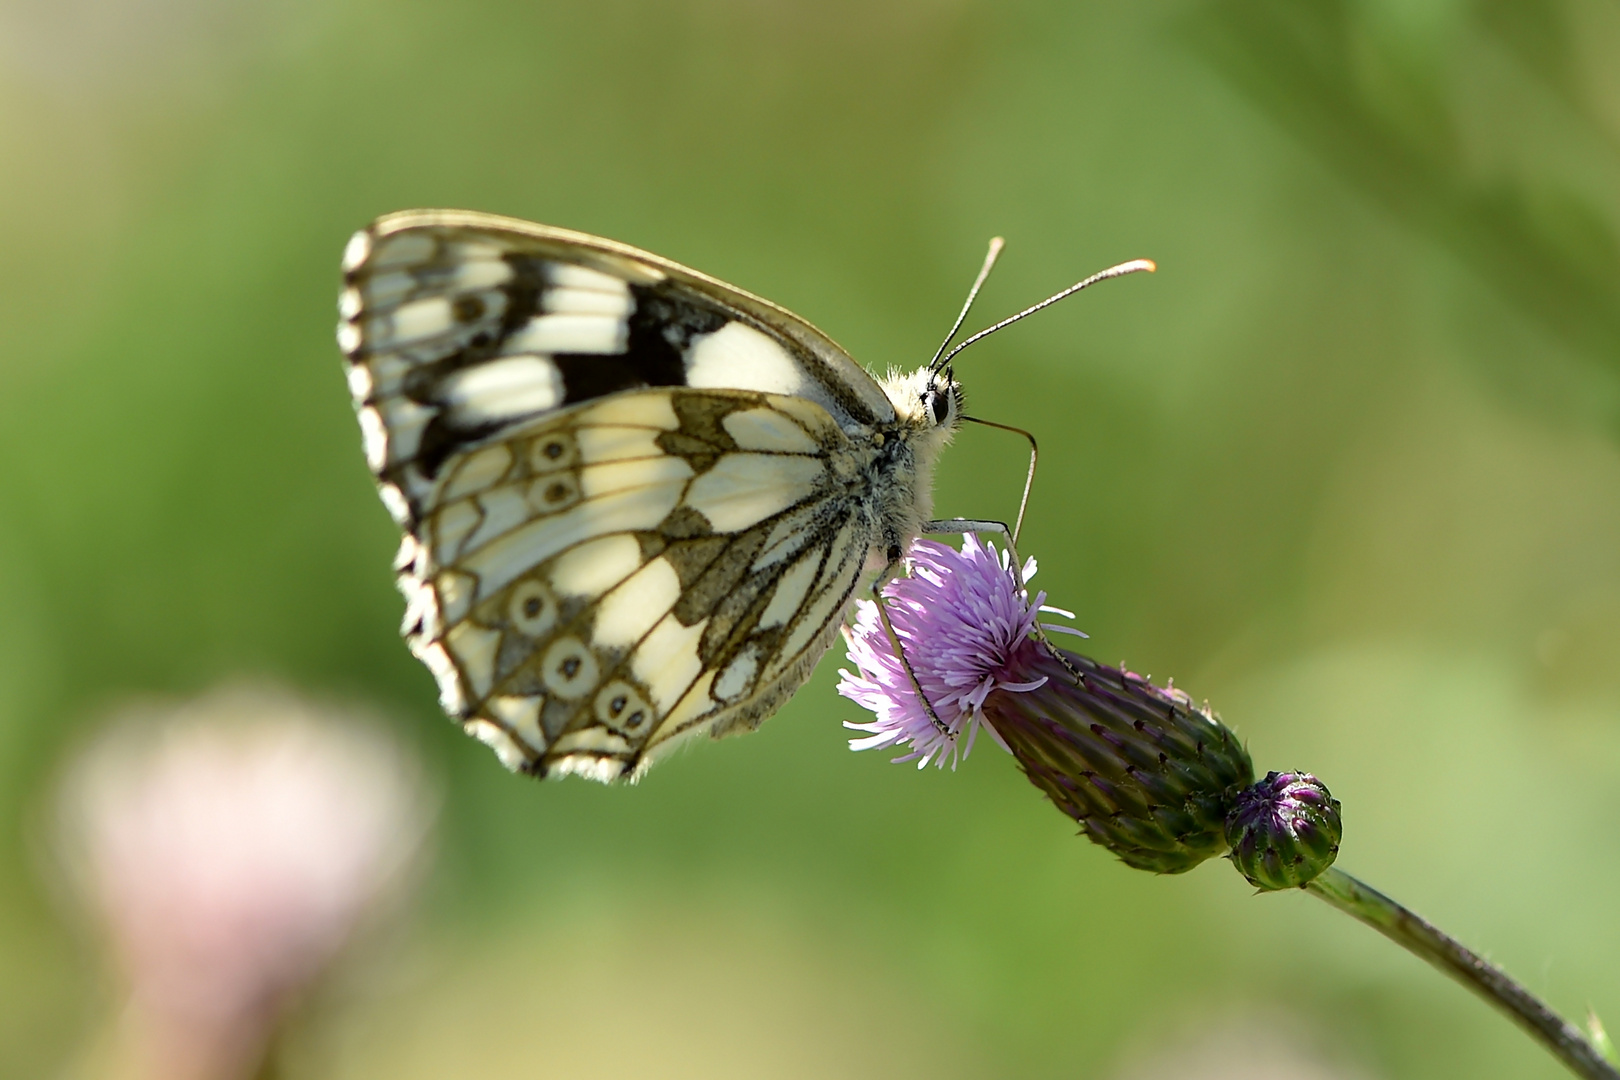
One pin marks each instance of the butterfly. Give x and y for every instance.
(637, 502)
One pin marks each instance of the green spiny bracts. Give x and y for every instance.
(1147, 773)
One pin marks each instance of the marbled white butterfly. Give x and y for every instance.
(637, 501)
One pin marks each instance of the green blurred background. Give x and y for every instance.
(1348, 466)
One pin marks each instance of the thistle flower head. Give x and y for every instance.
(963, 623)
(1145, 772)
(1284, 831)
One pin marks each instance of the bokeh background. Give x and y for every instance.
(1348, 466)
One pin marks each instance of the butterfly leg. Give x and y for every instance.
(961, 526)
(899, 651)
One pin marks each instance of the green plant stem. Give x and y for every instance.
(1415, 934)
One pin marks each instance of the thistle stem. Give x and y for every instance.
(1421, 938)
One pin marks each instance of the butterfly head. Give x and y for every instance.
(927, 401)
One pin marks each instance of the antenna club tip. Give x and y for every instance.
(1149, 265)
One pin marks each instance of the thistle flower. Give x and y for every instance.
(228, 849)
(963, 626)
(1284, 831)
(1147, 773)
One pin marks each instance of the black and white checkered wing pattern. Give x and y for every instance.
(631, 498)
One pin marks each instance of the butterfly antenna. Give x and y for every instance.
(1102, 275)
(990, 257)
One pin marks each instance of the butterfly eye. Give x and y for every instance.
(939, 405)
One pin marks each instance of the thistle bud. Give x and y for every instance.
(1284, 830)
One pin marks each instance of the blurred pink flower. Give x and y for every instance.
(229, 847)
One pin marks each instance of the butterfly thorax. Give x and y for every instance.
(927, 413)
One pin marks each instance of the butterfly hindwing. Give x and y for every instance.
(584, 595)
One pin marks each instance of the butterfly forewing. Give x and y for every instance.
(636, 500)
(458, 325)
